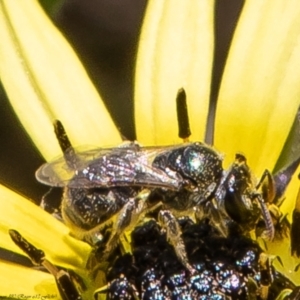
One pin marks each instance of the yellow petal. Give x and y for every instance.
(282, 249)
(175, 50)
(45, 80)
(260, 91)
(291, 196)
(40, 229)
(25, 283)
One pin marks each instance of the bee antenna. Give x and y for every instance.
(65, 145)
(182, 115)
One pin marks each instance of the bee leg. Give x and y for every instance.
(267, 186)
(270, 230)
(266, 194)
(52, 204)
(217, 217)
(65, 284)
(173, 231)
(126, 219)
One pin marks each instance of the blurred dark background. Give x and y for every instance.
(104, 33)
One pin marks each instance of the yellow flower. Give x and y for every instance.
(44, 80)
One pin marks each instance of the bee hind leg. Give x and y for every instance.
(126, 219)
(173, 231)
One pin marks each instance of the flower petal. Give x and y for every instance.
(45, 80)
(282, 249)
(40, 229)
(260, 92)
(291, 196)
(175, 51)
(25, 283)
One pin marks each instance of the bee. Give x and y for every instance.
(117, 187)
(104, 183)
(121, 185)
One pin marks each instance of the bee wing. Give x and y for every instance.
(58, 173)
(143, 173)
(126, 165)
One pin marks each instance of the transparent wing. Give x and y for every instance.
(108, 167)
(58, 173)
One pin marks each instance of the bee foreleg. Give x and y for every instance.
(267, 186)
(270, 232)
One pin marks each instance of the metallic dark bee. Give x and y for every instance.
(119, 181)
(129, 181)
